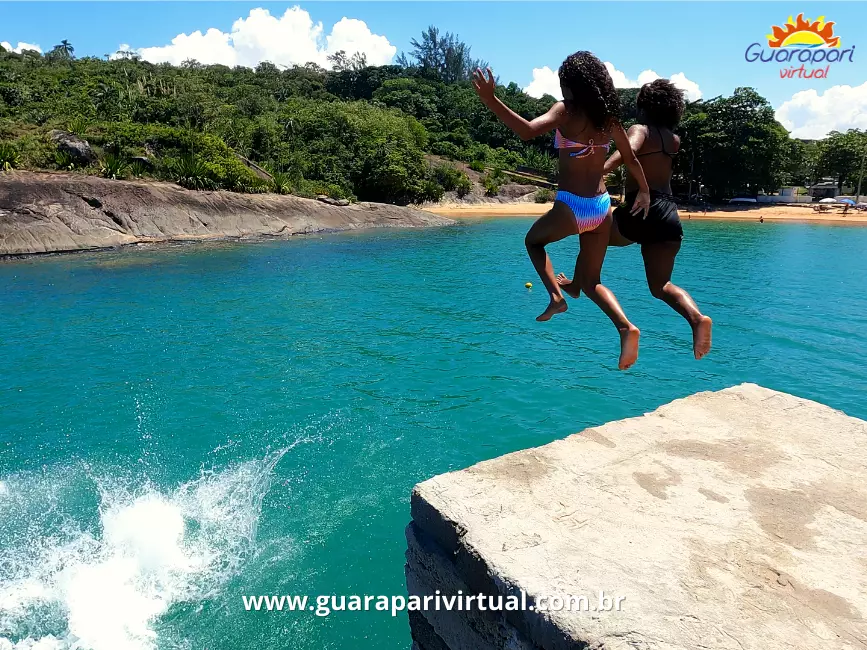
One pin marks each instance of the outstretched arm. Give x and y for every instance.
(624, 148)
(637, 135)
(524, 129)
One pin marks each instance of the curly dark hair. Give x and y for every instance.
(661, 103)
(588, 88)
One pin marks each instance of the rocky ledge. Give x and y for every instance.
(46, 213)
(733, 520)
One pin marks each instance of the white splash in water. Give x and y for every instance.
(105, 592)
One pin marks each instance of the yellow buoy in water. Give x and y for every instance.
(529, 285)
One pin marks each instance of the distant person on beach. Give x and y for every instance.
(660, 105)
(584, 124)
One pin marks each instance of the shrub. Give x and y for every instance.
(232, 178)
(78, 126)
(492, 187)
(64, 161)
(253, 185)
(447, 176)
(37, 116)
(464, 187)
(492, 182)
(138, 169)
(312, 189)
(477, 166)
(447, 149)
(190, 172)
(430, 191)
(544, 195)
(35, 151)
(113, 167)
(491, 157)
(9, 157)
(281, 183)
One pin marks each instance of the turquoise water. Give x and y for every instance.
(183, 426)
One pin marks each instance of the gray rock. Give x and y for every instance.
(330, 201)
(734, 520)
(147, 163)
(79, 149)
(41, 213)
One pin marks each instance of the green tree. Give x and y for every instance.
(801, 162)
(840, 156)
(340, 62)
(733, 145)
(63, 50)
(443, 57)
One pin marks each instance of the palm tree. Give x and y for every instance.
(64, 50)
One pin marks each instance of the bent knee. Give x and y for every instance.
(536, 237)
(657, 290)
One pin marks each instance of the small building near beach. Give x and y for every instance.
(827, 189)
(787, 194)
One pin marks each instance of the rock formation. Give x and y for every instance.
(42, 213)
(80, 150)
(734, 520)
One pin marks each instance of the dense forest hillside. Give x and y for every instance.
(354, 131)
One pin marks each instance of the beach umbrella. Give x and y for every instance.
(846, 201)
(828, 201)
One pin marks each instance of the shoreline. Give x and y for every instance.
(63, 213)
(769, 212)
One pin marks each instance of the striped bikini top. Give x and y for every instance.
(584, 150)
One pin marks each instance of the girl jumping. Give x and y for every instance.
(660, 105)
(584, 123)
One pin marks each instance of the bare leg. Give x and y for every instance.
(554, 225)
(658, 266)
(573, 286)
(593, 248)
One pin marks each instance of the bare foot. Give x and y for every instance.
(628, 347)
(701, 335)
(554, 307)
(567, 286)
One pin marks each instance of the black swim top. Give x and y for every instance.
(670, 154)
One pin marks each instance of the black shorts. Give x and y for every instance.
(660, 225)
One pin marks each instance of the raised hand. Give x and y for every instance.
(484, 85)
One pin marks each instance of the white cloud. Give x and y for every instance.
(812, 116)
(679, 79)
(545, 80)
(20, 47)
(290, 39)
(688, 86)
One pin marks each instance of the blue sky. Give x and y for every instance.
(704, 41)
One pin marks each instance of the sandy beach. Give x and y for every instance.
(800, 213)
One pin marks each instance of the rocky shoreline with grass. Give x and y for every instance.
(54, 212)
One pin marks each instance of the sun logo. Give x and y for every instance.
(804, 33)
